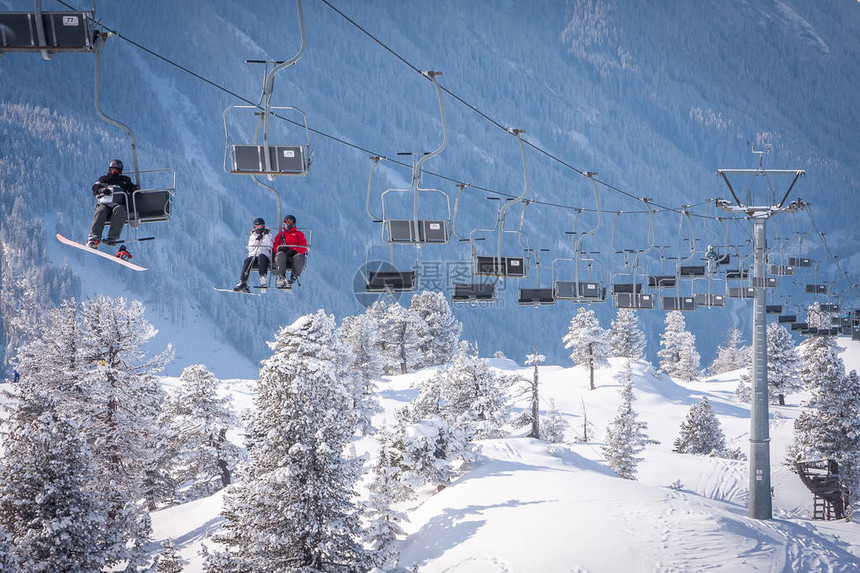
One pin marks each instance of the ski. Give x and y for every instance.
(107, 256)
(237, 291)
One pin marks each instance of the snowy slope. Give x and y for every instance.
(525, 506)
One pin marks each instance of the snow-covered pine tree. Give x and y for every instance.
(678, 357)
(625, 336)
(625, 435)
(438, 330)
(8, 562)
(783, 364)
(531, 415)
(829, 426)
(553, 425)
(588, 341)
(402, 351)
(294, 508)
(467, 393)
(377, 314)
(701, 432)
(197, 420)
(359, 333)
(387, 488)
(48, 504)
(732, 355)
(89, 362)
(430, 450)
(169, 561)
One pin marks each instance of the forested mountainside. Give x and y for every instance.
(653, 96)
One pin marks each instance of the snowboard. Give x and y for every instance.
(107, 256)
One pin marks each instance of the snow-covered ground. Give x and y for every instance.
(526, 506)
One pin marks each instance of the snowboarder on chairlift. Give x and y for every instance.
(110, 203)
(289, 247)
(259, 251)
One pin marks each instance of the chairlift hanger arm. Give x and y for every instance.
(97, 104)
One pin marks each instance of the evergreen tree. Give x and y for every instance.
(430, 450)
(625, 336)
(532, 414)
(829, 426)
(554, 425)
(295, 510)
(468, 393)
(89, 362)
(401, 340)
(197, 421)
(169, 560)
(783, 364)
(678, 357)
(387, 488)
(359, 333)
(625, 435)
(732, 355)
(701, 432)
(438, 331)
(588, 341)
(48, 506)
(8, 562)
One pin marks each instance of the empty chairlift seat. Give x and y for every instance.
(737, 274)
(787, 318)
(679, 303)
(710, 300)
(799, 262)
(588, 291)
(52, 31)
(782, 270)
(411, 231)
(773, 308)
(473, 292)
(396, 281)
(283, 159)
(635, 300)
(662, 281)
(536, 296)
(504, 267)
(692, 271)
(150, 206)
(741, 292)
(816, 289)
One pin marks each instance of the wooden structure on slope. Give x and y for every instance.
(822, 479)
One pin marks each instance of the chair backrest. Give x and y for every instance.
(63, 32)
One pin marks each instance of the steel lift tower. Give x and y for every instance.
(760, 506)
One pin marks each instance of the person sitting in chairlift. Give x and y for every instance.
(712, 257)
(290, 247)
(106, 191)
(259, 251)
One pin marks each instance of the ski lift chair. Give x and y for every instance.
(582, 289)
(386, 276)
(536, 296)
(149, 205)
(415, 229)
(47, 32)
(263, 158)
(472, 293)
(710, 298)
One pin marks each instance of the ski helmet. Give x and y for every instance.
(259, 221)
(115, 164)
(290, 219)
